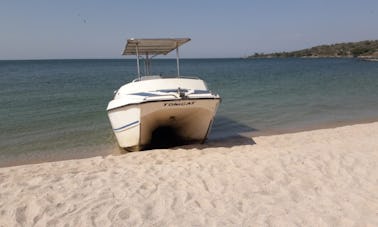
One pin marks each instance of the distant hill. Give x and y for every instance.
(364, 49)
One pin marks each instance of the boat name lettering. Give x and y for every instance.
(179, 103)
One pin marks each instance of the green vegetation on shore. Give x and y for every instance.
(364, 49)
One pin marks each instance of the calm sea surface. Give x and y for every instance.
(56, 109)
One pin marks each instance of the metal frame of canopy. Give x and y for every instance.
(153, 47)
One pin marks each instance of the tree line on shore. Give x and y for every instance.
(362, 49)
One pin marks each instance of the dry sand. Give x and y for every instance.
(325, 177)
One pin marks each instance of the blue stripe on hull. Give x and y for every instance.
(126, 126)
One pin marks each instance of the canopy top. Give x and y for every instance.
(153, 46)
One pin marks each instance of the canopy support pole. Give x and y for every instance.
(147, 65)
(137, 53)
(177, 61)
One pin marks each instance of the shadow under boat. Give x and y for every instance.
(225, 133)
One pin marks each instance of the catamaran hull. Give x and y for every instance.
(190, 119)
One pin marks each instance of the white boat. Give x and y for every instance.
(164, 111)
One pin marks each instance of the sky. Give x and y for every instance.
(52, 29)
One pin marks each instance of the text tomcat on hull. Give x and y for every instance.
(154, 109)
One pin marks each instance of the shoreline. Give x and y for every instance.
(320, 177)
(112, 149)
(310, 127)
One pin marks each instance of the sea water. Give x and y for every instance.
(56, 109)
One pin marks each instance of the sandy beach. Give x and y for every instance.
(326, 177)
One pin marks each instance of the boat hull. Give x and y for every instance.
(168, 122)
